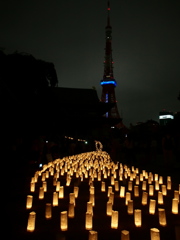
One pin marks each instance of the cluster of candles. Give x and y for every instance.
(97, 166)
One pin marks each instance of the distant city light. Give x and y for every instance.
(166, 117)
(108, 82)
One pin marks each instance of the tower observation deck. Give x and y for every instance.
(108, 82)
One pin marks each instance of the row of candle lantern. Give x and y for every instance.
(91, 169)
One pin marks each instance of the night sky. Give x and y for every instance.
(71, 34)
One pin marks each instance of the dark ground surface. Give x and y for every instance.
(50, 229)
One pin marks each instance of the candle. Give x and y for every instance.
(109, 208)
(63, 221)
(41, 193)
(71, 210)
(160, 198)
(144, 186)
(176, 195)
(136, 191)
(152, 206)
(90, 207)
(116, 184)
(93, 235)
(29, 201)
(164, 190)
(31, 222)
(32, 186)
(55, 199)
(128, 197)
(175, 206)
(88, 222)
(130, 207)
(151, 190)
(76, 191)
(144, 198)
(125, 235)
(111, 198)
(57, 186)
(92, 199)
(162, 216)
(137, 217)
(61, 192)
(122, 191)
(130, 186)
(103, 187)
(155, 234)
(48, 211)
(114, 219)
(109, 190)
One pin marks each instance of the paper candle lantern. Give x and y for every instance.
(130, 186)
(61, 192)
(109, 190)
(111, 197)
(122, 191)
(162, 216)
(151, 190)
(44, 185)
(103, 187)
(136, 191)
(93, 235)
(29, 201)
(164, 190)
(90, 207)
(125, 235)
(114, 219)
(88, 222)
(43, 177)
(137, 180)
(152, 206)
(109, 208)
(116, 185)
(155, 234)
(57, 186)
(127, 198)
(160, 198)
(72, 198)
(76, 191)
(141, 177)
(130, 209)
(144, 186)
(155, 177)
(160, 180)
(64, 221)
(32, 186)
(112, 180)
(144, 198)
(137, 217)
(176, 195)
(92, 199)
(31, 222)
(55, 199)
(157, 185)
(175, 206)
(48, 211)
(47, 174)
(168, 185)
(41, 193)
(71, 210)
(149, 180)
(92, 190)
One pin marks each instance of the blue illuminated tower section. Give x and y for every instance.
(108, 82)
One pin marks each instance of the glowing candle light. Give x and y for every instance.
(92, 199)
(103, 187)
(88, 222)
(109, 190)
(72, 198)
(114, 219)
(90, 207)
(130, 209)
(162, 217)
(175, 206)
(157, 185)
(92, 190)
(61, 192)
(122, 191)
(141, 177)
(176, 195)
(152, 206)
(32, 186)
(112, 180)
(29, 201)
(43, 178)
(144, 198)
(127, 198)
(130, 186)
(93, 235)
(155, 234)
(31, 222)
(164, 190)
(71, 210)
(149, 179)
(48, 211)
(55, 199)
(47, 174)
(109, 208)
(125, 235)
(111, 197)
(57, 186)
(76, 191)
(116, 184)
(160, 180)
(136, 191)
(44, 185)
(137, 217)
(63, 221)
(41, 193)
(151, 190)
(155, 177)
(137, 180)
(144, 186)
(168, 185)
(160, 198)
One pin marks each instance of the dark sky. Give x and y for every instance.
(71, 34)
